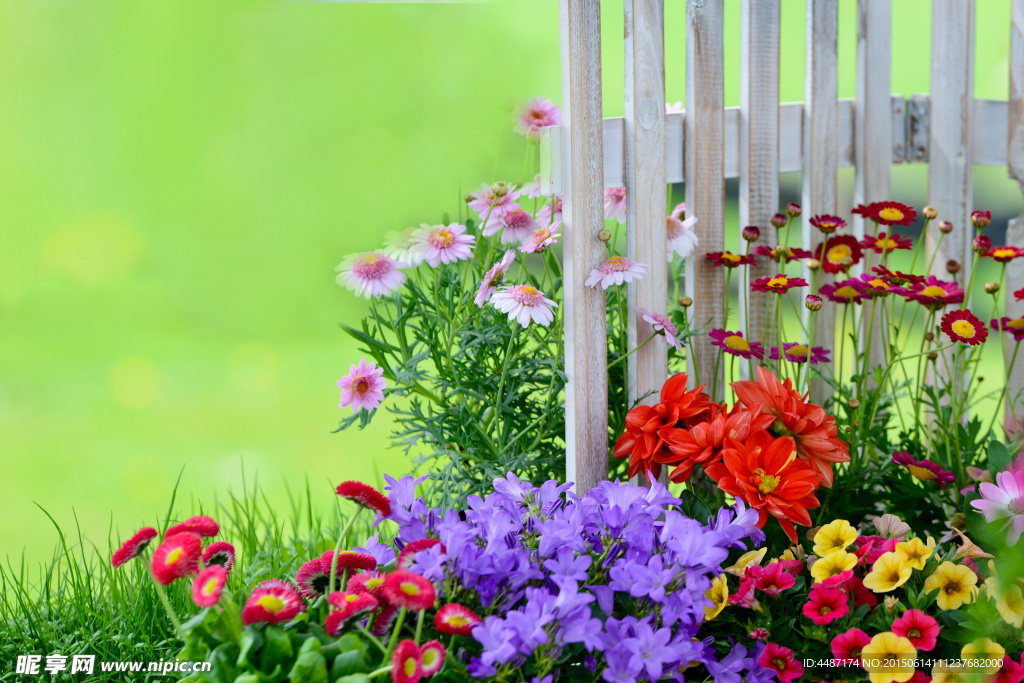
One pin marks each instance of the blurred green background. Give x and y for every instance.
(179, 179)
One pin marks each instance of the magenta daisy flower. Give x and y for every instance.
(1003, 254)
(208, 586)
(1004, 499)
(524, 304)
(201, 525)
(493, 277)
(369, 275)
(734, 343)
(879, 244)
(934, 293)
(923, 470)
(176, 557)
(432, 656)
(842, 292)
(797, 353)
(517, 225)
(365, 495)
(312, 579)
(400, 247)
(615, 204)
(405, 589)
(964, 327)
(871, 285)
(454, 619)
(444, 243)
(538, 113)
(348, 560)
(541, 239)
(828, 224)
(661, 324)
(780, 284)
(368, 582)
(272, 602)
(222, 553)
(1014, 326)
(348, 605)
(896, 277)
(682, 239)
(550, 213)
(134, 546)
(406, 663)
(615, 271)
(362, 387)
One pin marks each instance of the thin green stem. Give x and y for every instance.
(342, 538)
(170, 610)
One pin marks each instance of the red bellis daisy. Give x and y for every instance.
(406, 663)
(134, 546)
(365, 495)
(222, 553)
(456, 620)
(176, 558)
(432, 657)
(350, 560)
(208, 586)
(272, 602)
(312, 578)
(405, 589)
(201, 526)
(408, 554)
(347, 605)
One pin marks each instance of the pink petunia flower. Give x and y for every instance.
(615, 271)
(538, 113)
(682, 239)
(661, 323)
(542, 239)
(494, 277)
(544, 215)
(780, 660)
(444, 243)
(362, 387)
(615, 204)
(516, 226)
(524, 304)
(846, 646)
(773, 579)
(1004, 499)
(917, 627)
(371, 274)
(826, 605)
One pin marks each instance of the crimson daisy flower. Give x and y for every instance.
(729, 259)
(923, 470)
(348, 559)
(917, 627)
(347, 606)
(365, 495)
(408, 554)
(201, 526)
(964, 326)
(828, 224)
(134, 546)
(842, 292)
(272, 602)
(797, 353)
(370, 582)
(1003, 254)
(432, 657)
(780, 284)
(456, 620)
(826, 605)
(895, 277)
(835, 249)
(1014, 326)
(733, 343)
(405, 589)
(313, 577)
(406, 663)
(208, 585)
(872, 285)
(780, 660)
(222, 553)
(887, 213)
(846, 646)
(935, 293)
(1019, 294)
(703, 442)
(177, 557)
(789, 253)
(880, 244)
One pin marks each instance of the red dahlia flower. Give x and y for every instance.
(134, 546)
(365, 495)
(880, 244)
(408, 554)
(456, 620)
(312, 578)
(964, 326)
(780, 284)
(828, 224)
(703, 442)
(826, 605)
(887, 213)
(176, 557)
(780, 660)
(348, 559)
(935, 293)
(432, 656)
(272, 602)
(846, 646)
(208, 585)
(729, 259)
(917, 627)
(406, 663)
(201, 526)
(222, 553)
(348, 605)
(405, 589)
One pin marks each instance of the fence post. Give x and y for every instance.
(705, 176)
(1015, 230)
(586, 365)
(821, 156)
(759, 152)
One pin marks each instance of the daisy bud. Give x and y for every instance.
(929, 336)
(848, 430)
(813, 302)
(468, 198)
(751, 233)
(854, 403)
(500, 189)
(793, 209)
(980, 219)
(952, 266)
(604, 235)
(685, 302)
(782, 251)
(846, 262)
(856, 425)
(779, 220)
(991, 287)
(982, 244)
(933, 355)
(981, 379)
(945, 227)
(929, 212)
(813, 264)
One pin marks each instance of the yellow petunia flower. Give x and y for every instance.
(832, 564)
(836, 535)
(889, 572)
(889, 657)
(1009, 603)
(749, 558)
(718, 594)
(914, 552)
(947, 673)
(981, 655)
(956, 583)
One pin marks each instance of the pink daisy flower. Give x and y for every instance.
(542, 239)
(200, 525)
(348, 605)
(524, 304)
(456, 620)
(492, 201)
(734, 343)
(681, 237)
(1005, 498)
(399, 246)
(370, 274)
(365, 495)
(362, 387)
(797, 353)
(412, 591)
(406, 663)
(516, 225)
(222, 553)
(537, 114)
(679, 211)
(935, 293)
(544, 215)
(661, 323)
(273, 602)
(615, 204)
(615, 271)
(532, 188)
(208, 586)
(493, 277)
(176, 558)
(134, 546)
(432, 656)
(312, 579)
(407, 556)
(444, 243)
(348, 560)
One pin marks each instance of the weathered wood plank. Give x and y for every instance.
(586, 405)
(705, 174)
(1015, 230)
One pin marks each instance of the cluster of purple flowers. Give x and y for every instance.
(613, 580)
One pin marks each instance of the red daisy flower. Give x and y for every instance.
(980, 219)
(384, 619)
(780, 660)
(789, 253)
(828, 224)
(312, 578)
(370, 582)
(880, 244)
(733, 343)
(797, 353)
(873, 285)
(134, 546)
(838, 247)
(1003, 254)
(408, 554)
(923, 470)
(365, 495)
(964, 326)
(348, 605)
(208, 585)
(348, 559)
(842, 292)
(826, 605)
(641, 442)
(895, 277)
(406, 663)
(703, 442)
(455, 620)
(177, 557)
(432, 656)
(1014, 326)
(1019, 294)
(222, 553)
(412, 591)
(935, 293)
(917, 627)
(773, 579)
(201, 526)
(846, 646)
(854, 587)
(780, 284)
(729, 259)
(887, 213)
(274, 601)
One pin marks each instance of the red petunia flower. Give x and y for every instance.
(134, 546)
(432, 656)
(312, 578)
(921, 677)
(964, 326)
(838, 580)
(408, 554)
(773, 579)
(842, 292)
(365, 495)
(846, 646)
(348, 559)
(923, 470)
(703, 442)
(208, 585)
(405, 589)
(861, 595)
(1003, 254)
(406, 663)
(347, 606)
(734, 344)
(456, 620)
(828, 224)
(826, 605)
(176, 558)
(1015, 326)
(780, 284)
(729, 259)
(1009, 672)
(789, 254)
(222, 553)
(887, 213)
(880, 244)
(870, 548)
(201, 526)
(370, 582)
(838, 247)
(780, 660)
(272, 602)
(935, 293)
(917, 627)
(896, 277)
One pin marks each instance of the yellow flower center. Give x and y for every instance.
(351, 598)
(766, 483)
(374, 583)
(881, 243)
(737, 343)
(838, 253)
(730, 257)
(271, 603)
(616, 261)
(410, 589)
(891, 213)
(409, 666)
(798, 351)
(964, 329)
(846, 292)
(443, 238)
(921, 473)
(371, 259)
(825, 609)
(174, 556)
(914, 633)
(457, 620)
(827, 224)
(527, 289)
(933, 290)
(1003, 253)
(1016, 324)
(778, 281)
(879, 284)
(210, 587)
(429, 657)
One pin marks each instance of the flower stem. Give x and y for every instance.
(170, 610)
(342, 537)
(394, 635)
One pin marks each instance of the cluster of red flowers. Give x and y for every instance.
(772, 449)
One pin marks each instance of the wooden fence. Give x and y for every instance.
(646, 149)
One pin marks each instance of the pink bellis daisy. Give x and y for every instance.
(407, 556)
(176, 557)
(516, 226)
(734, 343)
(222, 553)
(134, 546)
(550, 213)
(208, 586)
(348, 560)
(797, 353)
(454, 619)
(200, 525)
(1004, 499)
(524, 304)
(615, 204)
(661, 324)
(405, 589)
(362, 387)
(372, 274)
(493, 277)
(923, 470)
(400, 247)
(407, 663)
(444, 243)
(312, 579)
(682, 239)
(538, 114)
(541, 239)
(615, 271)
(432, 656)
(272, 602)
(348, 605)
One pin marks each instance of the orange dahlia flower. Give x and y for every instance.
(702, 444)
(814, 431)
(678, 407)
(765, 473)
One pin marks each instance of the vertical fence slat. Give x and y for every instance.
(705, 173)
(645, 173)
(821, 153)
(586, 401)
(759, 149)
(1015, 163)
